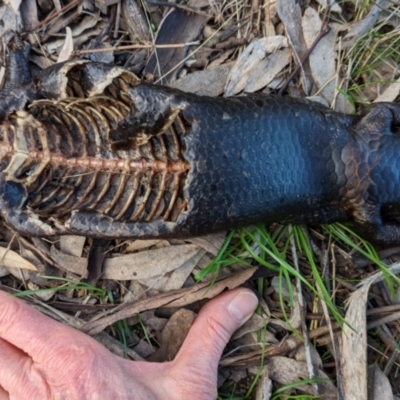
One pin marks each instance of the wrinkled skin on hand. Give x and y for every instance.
(43, 359)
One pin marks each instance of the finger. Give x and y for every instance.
(213, 327)
(3, 394)
(17, 376)
(33, 332)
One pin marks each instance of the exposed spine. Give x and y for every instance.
(63, 154)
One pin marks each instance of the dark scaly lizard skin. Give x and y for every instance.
(93, 151)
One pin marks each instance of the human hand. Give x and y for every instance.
(43, 359)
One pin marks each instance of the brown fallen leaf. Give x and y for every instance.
(290, 14)
(323, 58)
(166, 63)
(390, 93)
(211, 243)
(209, 82)
(250, 58)
(4, 271)
(360, 28)
(264, 386)
(142, 244)
(177, 277)
(285, 370)
(67, 48)
(149, 263)
(381, 389)
(10, 19)
(11, 259)
(173, 335)
(71, 264)
(72, 245)
(255, 323)
(176, 298)
(266, 70)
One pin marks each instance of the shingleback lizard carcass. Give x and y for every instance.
(88, 149)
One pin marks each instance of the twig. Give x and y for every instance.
(136, 46)
(56, 14)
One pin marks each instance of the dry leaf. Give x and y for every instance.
(10, 20)
(323, 57)
(285, 371)
(71, 264)
(255, 323)
(89, 21)
(209, 82)
(167, 62)
(173, 335)
(354, 340)
(45, 295)
(266, 70)
(175, 298)
(72, 245)
(211, 243)
(390, 93)
(264, 386)
(382, 388)
(334, 7)
(143, 244)
(255, 52)
(68, 47)
(11, 259)
(148, 264)
(178, 276)
(29, 15)
(360, 28)
(290, 14)
(14, 4)
(144, 349)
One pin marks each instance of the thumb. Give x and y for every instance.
(213, 327)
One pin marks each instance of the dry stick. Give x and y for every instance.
(137, 46)
(56, 14)
(291, 343)
(325, 28)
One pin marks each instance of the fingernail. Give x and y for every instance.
(242, 306)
